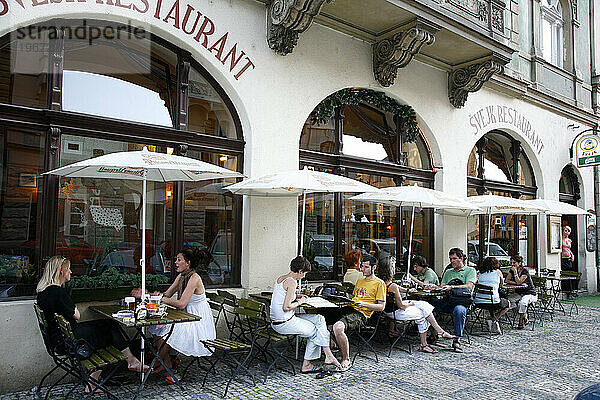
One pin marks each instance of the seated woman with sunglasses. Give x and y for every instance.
(52, 298)
(408, 310)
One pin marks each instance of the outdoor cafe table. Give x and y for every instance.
(555, 290)
(174, 316)
(511, 287)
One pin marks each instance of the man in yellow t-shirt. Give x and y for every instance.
(369, 296)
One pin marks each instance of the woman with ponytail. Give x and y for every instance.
(191, 298)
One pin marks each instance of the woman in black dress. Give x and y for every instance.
(52, 298)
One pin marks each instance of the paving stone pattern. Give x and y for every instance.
(555, 361)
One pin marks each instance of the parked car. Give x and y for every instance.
(494, 251)
(219, 268)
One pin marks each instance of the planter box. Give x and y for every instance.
(80, 295)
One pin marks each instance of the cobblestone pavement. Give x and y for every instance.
(555, 361)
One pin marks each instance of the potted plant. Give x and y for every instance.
(111, 285)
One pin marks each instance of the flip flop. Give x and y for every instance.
(345, 369)
(322, 374)
(314, 370)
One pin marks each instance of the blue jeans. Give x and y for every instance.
(459, 314)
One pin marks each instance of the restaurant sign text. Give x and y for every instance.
(494, 114)
(179, 14)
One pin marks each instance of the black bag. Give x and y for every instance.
(82, 348)
(459, 296)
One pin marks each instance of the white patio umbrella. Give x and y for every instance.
(298, 182)
(144, 166)
(558, 207)
(416, 197)
(493, 204)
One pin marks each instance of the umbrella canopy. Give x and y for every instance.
(137, 165)
(558, 207)
(297, 182)
(493, 204)
(415, 196)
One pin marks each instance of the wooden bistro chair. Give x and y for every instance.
(108, 359)
(273, 347)
(57, 353)
(480, 310)
(401, 328)
(573, 291)
(544, 305)
(233, 354)
(363, 336)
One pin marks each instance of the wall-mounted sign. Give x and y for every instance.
(587, 151)
(482, 120)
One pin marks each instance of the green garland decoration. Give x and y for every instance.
(355, 96)
(572, 176)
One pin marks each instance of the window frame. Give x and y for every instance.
(341, 164)
(56, 122)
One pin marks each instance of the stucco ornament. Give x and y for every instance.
(398, 50)
(471, 78)
(286, 19)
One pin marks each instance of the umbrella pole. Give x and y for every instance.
(302, 229)
(143, 265)
(412, 220)
(489, 231)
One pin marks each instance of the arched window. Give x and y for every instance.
(363, 142)
(497, 165)
(568, 186)
(113, 93)
(552, 26)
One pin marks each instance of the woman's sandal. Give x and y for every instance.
(445, 336)
(427, 349)
(170, 379)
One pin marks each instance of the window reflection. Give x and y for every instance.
(367, 134)
(206, 111)
(23, 70)
(208, 221)
(502, 235)
(100, 220)
(318, 137)
(21, 162)
(105, 77)
(318, 234)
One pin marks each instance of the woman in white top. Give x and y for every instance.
(311, 326)
(490, 275)
(191, 298)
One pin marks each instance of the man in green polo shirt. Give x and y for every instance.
(425, 275)
(468, 276)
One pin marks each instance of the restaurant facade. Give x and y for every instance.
(468, 97)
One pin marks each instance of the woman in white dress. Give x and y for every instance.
(408, 310)
(191, 298)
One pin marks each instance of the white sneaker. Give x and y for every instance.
(496, 328)
(490, 325)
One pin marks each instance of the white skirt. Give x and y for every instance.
(186, 336)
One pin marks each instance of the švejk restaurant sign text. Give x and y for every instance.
(502, 114)
(182, 16)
